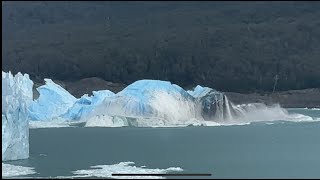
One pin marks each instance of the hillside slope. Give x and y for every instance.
(230, 46)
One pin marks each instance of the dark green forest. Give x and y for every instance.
(230, 46)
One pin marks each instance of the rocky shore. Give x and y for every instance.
(289, 99)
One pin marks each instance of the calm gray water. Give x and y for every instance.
(259, 150)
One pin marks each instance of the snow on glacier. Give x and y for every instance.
(52, 102)
(16, 97)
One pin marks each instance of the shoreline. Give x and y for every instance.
(305, 98)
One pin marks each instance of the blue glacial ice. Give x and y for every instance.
(199, 91)
(151, 103)
(154, 103)
(85, 105)
(52, 102)
(148, 103)
(148, 98)
(16, 97)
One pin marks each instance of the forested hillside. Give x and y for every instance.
(230, 46)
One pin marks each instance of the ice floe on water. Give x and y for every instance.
(55, 123)
(48, 124)
(9, 170)
(107, 171)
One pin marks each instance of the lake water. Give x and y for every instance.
(258, 150)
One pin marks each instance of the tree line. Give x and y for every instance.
(230, 46)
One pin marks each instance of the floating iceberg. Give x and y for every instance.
(16, 97)
(53, 102)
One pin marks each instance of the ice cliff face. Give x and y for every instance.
(53, 102)
(16, 97)
(214, 105)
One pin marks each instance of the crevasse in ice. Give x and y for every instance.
(16, 97)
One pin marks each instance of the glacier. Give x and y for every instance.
(148, 103)
(155, 103)
(52, 102)
(16, 97)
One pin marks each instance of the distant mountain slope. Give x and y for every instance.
(230, 46)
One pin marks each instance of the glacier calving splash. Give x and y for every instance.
(16, 98)
(151, 103)
(154, 103)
